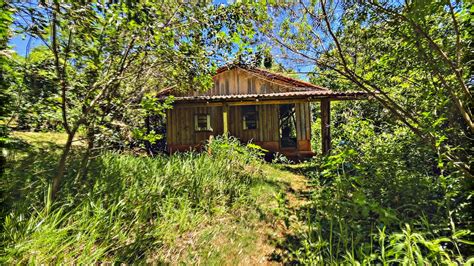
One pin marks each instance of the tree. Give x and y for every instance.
(411, 58)
(5, 80)
(107, 56)
(6, 75)
(37, 96)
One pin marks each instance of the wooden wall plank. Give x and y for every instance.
(268, 126)
(261, 121)
(303, 117)
(265, 122)
(178, 123)
(303, 121)
(181, 124)
(237, 78)
(298, 119)
(187, 136)
(272, 114)
(184, 118)
(241, 82)
(308, 121)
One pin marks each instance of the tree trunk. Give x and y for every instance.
(62, 163)
(84, 166)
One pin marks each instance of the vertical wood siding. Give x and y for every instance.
(267, 124)
(303, 121)
(180, 125)
(180, 120)
(238, 81)
(181, 131)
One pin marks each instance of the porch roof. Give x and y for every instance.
(312, 95)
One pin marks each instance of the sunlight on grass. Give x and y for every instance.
(42, 139)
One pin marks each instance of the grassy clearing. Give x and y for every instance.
(44, 139)
(194, 208)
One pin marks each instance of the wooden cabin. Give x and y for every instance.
(251, 104)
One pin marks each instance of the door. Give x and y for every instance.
(287, 126)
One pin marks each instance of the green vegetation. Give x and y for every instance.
(226, 204)
(135, 208)
(84, 176)
(367, 206)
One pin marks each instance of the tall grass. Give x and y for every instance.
(129, 208)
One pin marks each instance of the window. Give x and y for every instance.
(202, 122)
(249, 117)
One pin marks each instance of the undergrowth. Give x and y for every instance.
(128, 209)
(383, 202)
(365, 206)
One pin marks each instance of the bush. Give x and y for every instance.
(381, 199)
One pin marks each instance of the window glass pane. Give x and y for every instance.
(249, 117)
(202, 122)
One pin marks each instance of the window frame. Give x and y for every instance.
(208, 127)
(245, 113)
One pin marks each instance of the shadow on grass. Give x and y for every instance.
(305, 169)
(294, 241)
(27, 172)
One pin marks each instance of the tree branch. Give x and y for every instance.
(59, 72)
(454, 67)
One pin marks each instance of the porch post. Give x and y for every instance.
(325, 126)
(225, 120)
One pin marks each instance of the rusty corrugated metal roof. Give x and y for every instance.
(315, 94)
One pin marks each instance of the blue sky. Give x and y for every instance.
(20, 44)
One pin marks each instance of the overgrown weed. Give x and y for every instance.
(128, 208)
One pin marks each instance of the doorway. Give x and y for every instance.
(287, 122)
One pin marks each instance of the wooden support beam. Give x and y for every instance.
(225, 120)
(194, 105)
(325, 126)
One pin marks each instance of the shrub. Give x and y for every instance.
(381, 199)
